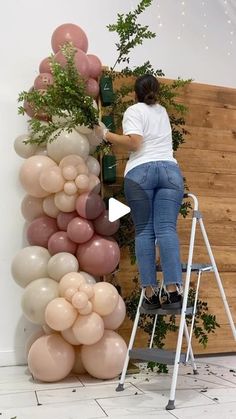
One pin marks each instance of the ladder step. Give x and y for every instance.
(161, 312)
(154, 354)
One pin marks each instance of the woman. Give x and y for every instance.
(154, 191)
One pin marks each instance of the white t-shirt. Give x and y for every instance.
(152, 122)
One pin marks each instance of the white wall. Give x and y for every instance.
(25, 30)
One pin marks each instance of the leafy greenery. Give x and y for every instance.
(64, 104)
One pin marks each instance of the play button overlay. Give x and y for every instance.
(116, 209)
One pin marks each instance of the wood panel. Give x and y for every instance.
(208, 162)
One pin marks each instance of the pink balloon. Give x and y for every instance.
(105, 359)
(51, 358)
(80, 60)
(64, 218)
(92, 88)
(40, 114)
(60, 242)
(43, 80)
(89, 205)
(44, 66)
(115, 319)
(99, 256)
(95, 66)
(68, 32)
(80, 230)
(40, 230)
(103, 226)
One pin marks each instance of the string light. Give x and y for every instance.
(183, 14)
(226, 8)
(204, 5)
(160, 24)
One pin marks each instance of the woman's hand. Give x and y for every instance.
(100, 131)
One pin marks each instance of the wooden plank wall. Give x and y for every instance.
(208, 161)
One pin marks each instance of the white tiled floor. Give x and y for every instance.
(211, 394)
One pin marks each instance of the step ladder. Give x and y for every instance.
(177, 357)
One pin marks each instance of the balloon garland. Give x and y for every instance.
(70, 242)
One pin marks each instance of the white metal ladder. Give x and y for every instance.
(170, 357)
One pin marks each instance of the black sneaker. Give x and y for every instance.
(173, 301)
(152, 303)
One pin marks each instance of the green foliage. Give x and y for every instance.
(65, 99)
(205, 323)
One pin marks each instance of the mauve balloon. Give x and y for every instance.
(40, 230)
(60, 242)
(89, 205)
(64, 218)
(80, 230)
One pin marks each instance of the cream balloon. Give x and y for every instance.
(69, 293)
(70, 280)
(64, 202)
(78, 367)
(82, 169)
(32, 207)
(82, 182)
(61, 264)
(36, 297)
(93, 165)
(88, 329)
(70, 188)
(30, 173)
(51, 179)
(105, 298)
(83, 129)
(49, 207)
(68, 143)
(47, 330)
(69, 172)
(105, 359)
(115, 319)
(30, 263)
(60, 314)
(69, 336)
(51, 358)
(41, 151)
(87, 289)
(79, 300)
(22, 149)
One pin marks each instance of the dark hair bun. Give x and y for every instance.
(150, 98)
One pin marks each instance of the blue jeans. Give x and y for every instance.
(154, 192)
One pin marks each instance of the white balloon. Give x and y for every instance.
(83, 129)
(49, 206)
(88, 278)
(93, 165)
(68, 143)
(22, 149)
(62, 263)
(30, 263)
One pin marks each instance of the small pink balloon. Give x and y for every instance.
(82, 169)
(43, 80)
(88, 289)
(79, 300)
(82, 182)
(64, 218)
(69, 172)
(40, 230)
(44, 66)
(69, 293)
(69, 32)
(87, 309)
(99, 256)
(89, 205)
(70, 187)
(95, 66)
(60, 242)
(92, 88)
(103, 226)
(80, 230)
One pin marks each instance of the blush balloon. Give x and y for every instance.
(60, 242)
(64, 218)
(89, 205)
(45, 66)
(92, 88)
(103, 226)
(99, 256)
(115, 319)
(80, 61)
(95, 66)
(43, 80)
(40, 230)
(69, 32)
(80, 230)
